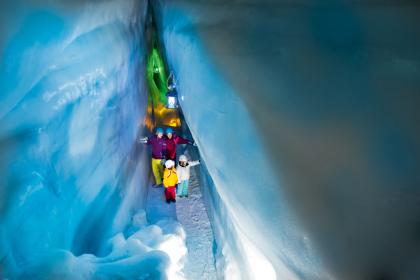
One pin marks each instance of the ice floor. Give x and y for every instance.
(191, 213)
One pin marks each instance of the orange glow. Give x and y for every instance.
(157, 112)
(163, 116)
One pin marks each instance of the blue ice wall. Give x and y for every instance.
(72, 101)
(306, 115)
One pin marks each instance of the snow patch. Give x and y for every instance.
(151, 252)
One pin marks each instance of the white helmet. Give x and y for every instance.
(183, 158)
(169, 163)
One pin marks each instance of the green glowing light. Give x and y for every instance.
(156, 77)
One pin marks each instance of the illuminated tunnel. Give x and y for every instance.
(305, 115)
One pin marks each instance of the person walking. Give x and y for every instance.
(172, 140)
(183, 172)
(158, 143)
(170, 179)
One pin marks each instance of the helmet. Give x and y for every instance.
(183, 158)
(169, 163)
(169, 130)
(159, 130)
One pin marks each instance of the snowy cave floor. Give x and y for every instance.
(191, 213)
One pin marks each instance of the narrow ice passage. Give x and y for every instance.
(306, 114)
(199, 262)
(191, 214)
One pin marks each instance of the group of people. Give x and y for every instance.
(174, 178)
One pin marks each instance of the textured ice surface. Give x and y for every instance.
(149, 252)
(306, 115)
(71, 105)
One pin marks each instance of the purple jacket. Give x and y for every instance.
(158, 147)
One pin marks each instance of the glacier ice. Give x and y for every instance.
(306, 116)
(305, 113)
(73, 100)
(149, 253)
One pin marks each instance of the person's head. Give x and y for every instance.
(169, 164)
(183, 160)
(159, 132)
(169, 132)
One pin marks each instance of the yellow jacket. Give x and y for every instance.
(170, 178)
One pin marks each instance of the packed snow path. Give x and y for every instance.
(191, 213)
(156, 207)
(193, 217)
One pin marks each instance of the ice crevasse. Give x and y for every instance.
(73, 100)
(304, 112)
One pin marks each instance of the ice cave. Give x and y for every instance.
(302, 118)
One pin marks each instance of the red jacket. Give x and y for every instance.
(171, 145)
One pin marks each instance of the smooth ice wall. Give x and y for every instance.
(257, 235)
(306, 115)
(73, 99)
